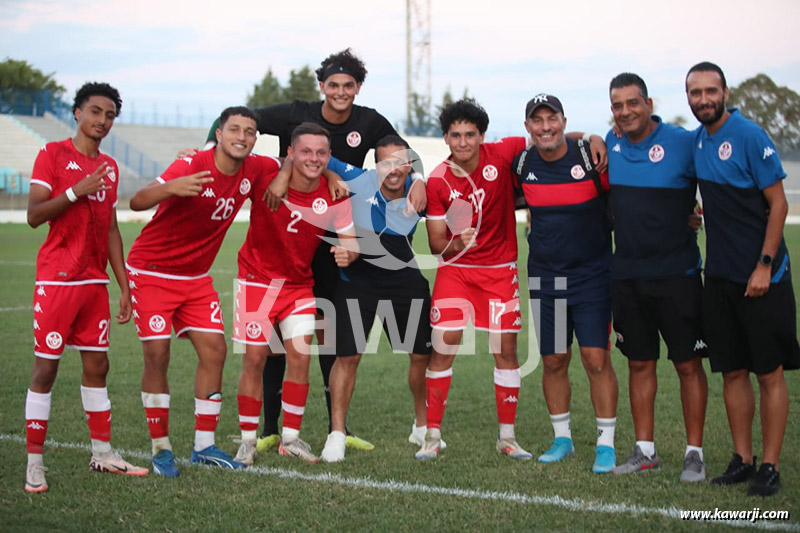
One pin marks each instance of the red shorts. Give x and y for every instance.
(259, 307)
(71, 316)
(487, 295)
(159, 304)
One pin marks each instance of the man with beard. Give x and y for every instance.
(749, 306)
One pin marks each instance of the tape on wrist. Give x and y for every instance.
(71, 195)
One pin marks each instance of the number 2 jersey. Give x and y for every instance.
(75, 251)
(281, 244)
(185, 234)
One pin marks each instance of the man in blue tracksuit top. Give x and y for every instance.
(655, 272)
(749, 306)
(384, 281)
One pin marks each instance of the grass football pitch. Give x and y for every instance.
(469, 487)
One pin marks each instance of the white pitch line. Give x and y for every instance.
(572, 504)
(20, 308)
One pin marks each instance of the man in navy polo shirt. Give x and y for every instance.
(568, 267)
(749, 306)
(656, 285)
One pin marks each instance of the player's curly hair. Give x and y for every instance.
(465, 110)
(94, 88)
(345, 62)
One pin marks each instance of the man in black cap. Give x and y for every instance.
(569, 277)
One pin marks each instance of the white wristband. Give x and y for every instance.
(587, 137)
(417, 176)
(71, 195)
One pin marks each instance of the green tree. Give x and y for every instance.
(303, 85)
(268, 92)
(679, 120)
(774, 108)
(18, 82)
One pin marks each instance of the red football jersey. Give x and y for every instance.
(485, 201)
(184, 236)
(281, 244)
(76, 248)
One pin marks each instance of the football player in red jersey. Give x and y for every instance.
(478, 276)
(74, 190)
(275, 287)
(168, 267)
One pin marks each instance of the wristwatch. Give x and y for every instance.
(765, 259)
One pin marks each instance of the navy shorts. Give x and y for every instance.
(583, 309)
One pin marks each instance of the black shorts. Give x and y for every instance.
(674, 307)
(756, 334)
(326, 274)
(411, 305)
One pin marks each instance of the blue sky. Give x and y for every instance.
(202, 56)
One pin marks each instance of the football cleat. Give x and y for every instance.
(113, 463)
(213, 456)
(737, 472)
(430, 448)
(562, 447)
(266, 443)
(164, 464)
(299, 449)
(359, 444)
(34, 478)
(605, 459)
(418, 436)
(638, 462)
(334, 447)
(247, 452)
(694, 469)
(511, 448)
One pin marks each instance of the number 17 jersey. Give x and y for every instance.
(184, 236)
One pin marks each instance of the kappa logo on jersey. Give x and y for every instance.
(208, 193)
(253, 330)
(36, 324)
(455, 195)
(134, 300)
(768, 151)
(725, 151)
(371, 200)
(577, 172)
(700, 145)
(348, 167)
(435, 314)
(135, 313)
(490, 172)
(517, 322)
(157, 323)
(656, 153)
(53, 340)
(37, 308)
(244, 187)
(35, 425)
(112, 175)
(131, 284)
(319, 206)
(40, 291)
(353, 139)
(699, 345)
(510, 399)
(617, 148)
(72, 165)
(531, 177)
(187, 159)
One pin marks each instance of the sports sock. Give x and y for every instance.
(506, 393)
(648, 447)
(249, 411)
(437, 386)
(294, 404)
(206, 417)
(272, 380)
(606, 427)
(698, 449)
(156, 410)
(98, 416)
(561, 425)
(37, 413)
